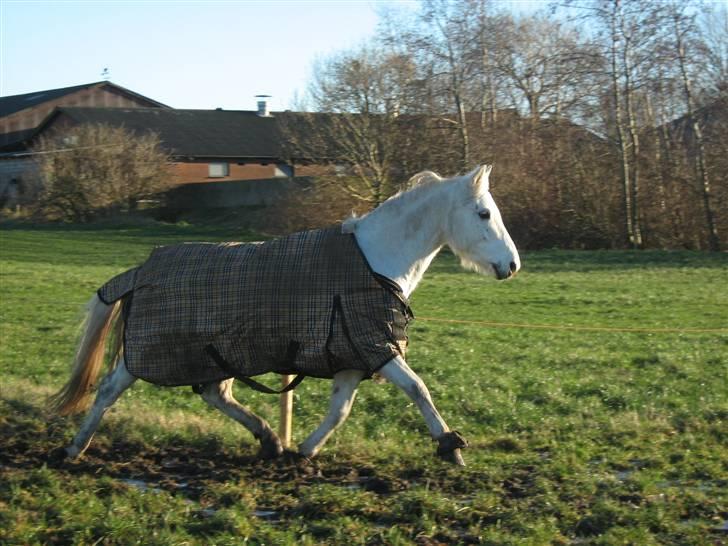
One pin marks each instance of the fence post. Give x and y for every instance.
(286, 420)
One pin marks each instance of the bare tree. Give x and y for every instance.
(359, 97)
(442, 41)
(626, 31)
(713, 28)
(486, 25)
(684, 40)
(547, 65)
(88, 169)
(445, 86)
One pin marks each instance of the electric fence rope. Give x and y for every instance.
(490, 324)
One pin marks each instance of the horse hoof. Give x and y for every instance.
(57, 456)
(454, 457)
(449, 445)
(296, 457)
(270, 449)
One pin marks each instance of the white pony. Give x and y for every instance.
(399, 240)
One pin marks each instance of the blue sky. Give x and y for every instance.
(185, 54)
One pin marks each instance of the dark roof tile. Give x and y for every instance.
(191, 133)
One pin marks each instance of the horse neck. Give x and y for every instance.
(402, 237)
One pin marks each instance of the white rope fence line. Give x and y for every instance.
(579, 328)
(492, 324)
(285, 424)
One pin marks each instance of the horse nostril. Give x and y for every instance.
(513, 267)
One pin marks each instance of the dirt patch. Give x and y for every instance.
(28, 442)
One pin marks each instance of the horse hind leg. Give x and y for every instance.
(111, 387)
(220, 396)
(342, 398)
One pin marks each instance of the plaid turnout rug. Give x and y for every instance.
(307, 303)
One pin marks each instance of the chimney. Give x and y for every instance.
(263, 105)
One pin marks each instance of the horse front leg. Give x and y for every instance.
(220, 396)
(449, 443)
(343, 393)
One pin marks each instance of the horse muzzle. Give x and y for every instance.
(503, 273)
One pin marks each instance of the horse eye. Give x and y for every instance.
(484, 214)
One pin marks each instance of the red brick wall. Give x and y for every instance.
(198, 172)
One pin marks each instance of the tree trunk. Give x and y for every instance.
(621, 137)
(713, 240)
(463, 129)
(485, 81)
(654, 123)
(634, 145)
(678, 232)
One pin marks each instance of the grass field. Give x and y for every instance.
(577, 436)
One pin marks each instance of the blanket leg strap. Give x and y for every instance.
(262, 388)
(225, 365)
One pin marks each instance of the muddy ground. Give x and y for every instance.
(29, 442)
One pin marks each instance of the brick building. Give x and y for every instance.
(204, 145)
(20, 115)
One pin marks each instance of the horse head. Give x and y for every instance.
(477, 234)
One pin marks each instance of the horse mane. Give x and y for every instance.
(414, 185)
(420, 179)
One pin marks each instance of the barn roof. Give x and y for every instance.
(710, 117)
(189, 133)
(15, 103)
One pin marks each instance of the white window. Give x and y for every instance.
(283, 171)
(218, 170)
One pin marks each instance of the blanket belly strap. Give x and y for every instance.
(229, 368)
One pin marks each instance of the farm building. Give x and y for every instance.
(204, 145)
(21, 115)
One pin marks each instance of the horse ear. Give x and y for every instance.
(480, 178)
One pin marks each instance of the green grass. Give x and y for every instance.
(587, 437)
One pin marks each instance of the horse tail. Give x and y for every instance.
(101, 321)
